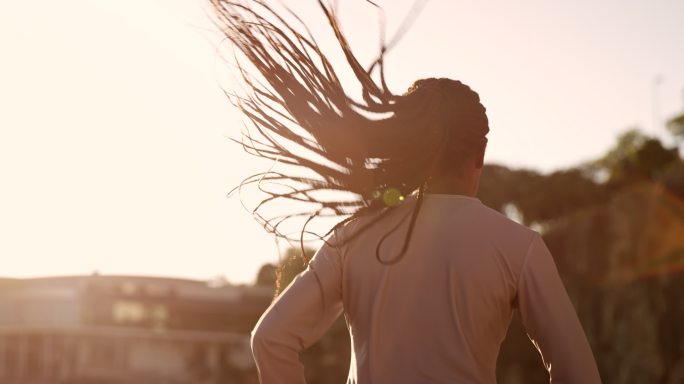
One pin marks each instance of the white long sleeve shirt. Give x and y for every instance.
(437, 316)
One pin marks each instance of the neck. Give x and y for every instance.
(452, 187)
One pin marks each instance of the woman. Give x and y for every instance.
(426, 276)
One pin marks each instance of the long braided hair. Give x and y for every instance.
(301, 116)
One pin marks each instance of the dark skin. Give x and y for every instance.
(463, 180)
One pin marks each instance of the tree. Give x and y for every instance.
(267, 275)
(636, 157)
(676, 126)
(292, 265)
(539, 198)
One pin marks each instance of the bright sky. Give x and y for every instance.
(113, 154)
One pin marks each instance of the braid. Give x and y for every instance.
(460, 116)
(301, 116)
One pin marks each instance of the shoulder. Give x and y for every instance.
(353, 228)
(500, 234)
(497, 221)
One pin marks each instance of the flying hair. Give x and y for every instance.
(378, 148)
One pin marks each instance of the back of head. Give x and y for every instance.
(452, 112)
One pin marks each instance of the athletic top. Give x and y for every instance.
(440, 314)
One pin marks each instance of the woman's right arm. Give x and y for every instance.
(300, 316)
(550, 320)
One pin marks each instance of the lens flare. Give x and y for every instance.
(392, 197)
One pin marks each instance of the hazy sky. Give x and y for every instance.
(113, 149)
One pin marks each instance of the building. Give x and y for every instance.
(126, 329)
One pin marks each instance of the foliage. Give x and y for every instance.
(676, 126)
(636, 157)
(266, 277)
(291, 265)
(540, 198)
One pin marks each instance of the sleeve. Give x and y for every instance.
(551, 322)
(298, 318)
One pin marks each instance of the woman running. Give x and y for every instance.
(425, 275)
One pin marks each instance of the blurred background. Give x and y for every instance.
(123, 261)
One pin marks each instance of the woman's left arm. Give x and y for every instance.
(298, 318)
